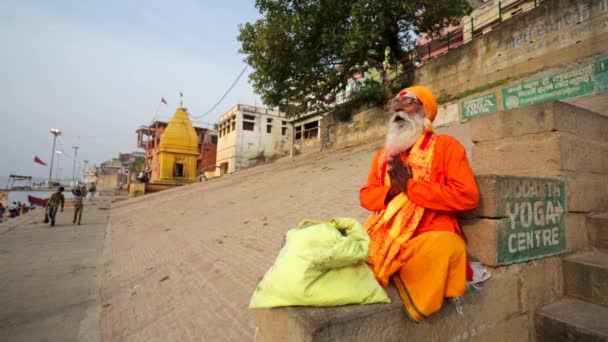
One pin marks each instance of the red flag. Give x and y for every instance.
(162, 99)
(39, 161)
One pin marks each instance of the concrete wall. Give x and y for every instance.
(243, 148)
(558, 31)
(110, 181)
(208, 155)
(365, 125)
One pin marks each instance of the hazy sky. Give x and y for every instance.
(98, 69)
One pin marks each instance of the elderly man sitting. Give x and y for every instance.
(418, 182)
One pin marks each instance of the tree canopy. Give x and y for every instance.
(303, 51)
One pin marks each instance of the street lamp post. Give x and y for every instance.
(75, 158)
(84, 170)
(55, 132)
(58, 171)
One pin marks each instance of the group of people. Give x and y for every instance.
(57, 200)
(15, 209)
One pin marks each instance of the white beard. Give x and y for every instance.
(402, 134)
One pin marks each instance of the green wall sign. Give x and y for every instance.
(576, 82)
(535, 218)
(480, 105)
(601, 75)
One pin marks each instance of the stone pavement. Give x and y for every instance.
(181, 264)
(49, 288)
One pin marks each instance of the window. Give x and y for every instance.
(298, 132)
(283, 130)
(268, 128)
(233, 124)
(311, 130)
(248, 122)
(248, 126)
(214, 140)
(228, 128)
(178, 170)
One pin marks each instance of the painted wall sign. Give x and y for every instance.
(480, 105)
(569, 84)
(535, 218)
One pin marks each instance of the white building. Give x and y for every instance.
(248, 135)
(90, 176)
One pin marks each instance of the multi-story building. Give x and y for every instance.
(149, 138)
(249, 135)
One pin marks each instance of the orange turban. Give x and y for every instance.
(424, 95)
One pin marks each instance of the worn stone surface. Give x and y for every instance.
(540, 118)
(541, 283)
(460, 131)
(586, 277)
(576, 229)
(484, 312)
(514, 49)
(481, 236)
(514, 329)
(571, 320)
(597, 226)
(596, 103)
(49, 288)
(542, 153)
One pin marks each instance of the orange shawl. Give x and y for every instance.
(390, 228)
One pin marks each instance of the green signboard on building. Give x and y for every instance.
(575, 82)
(535, 218)
(480, 105)
(601, 75)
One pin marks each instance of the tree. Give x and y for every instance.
(303, 51)
(137, 166)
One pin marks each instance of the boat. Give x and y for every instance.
(37, 201)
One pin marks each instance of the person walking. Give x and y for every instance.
(78, 205)
(92, 190)
(53, 204)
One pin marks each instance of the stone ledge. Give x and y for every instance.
(539, 118)
(496, 310)
(542, 153)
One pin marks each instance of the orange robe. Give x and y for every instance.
(430, 258)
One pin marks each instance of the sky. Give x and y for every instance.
(97, 70)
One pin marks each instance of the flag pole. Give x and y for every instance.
(156, 112)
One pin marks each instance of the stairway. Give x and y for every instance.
(583, 314)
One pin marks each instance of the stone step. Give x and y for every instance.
(597, 227)
(550, 116)
(586, 277)
(502, 310)
(571, 320)
(543, 153)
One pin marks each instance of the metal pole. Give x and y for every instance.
(448, 40)
(84, 170)
(57, 171)
(472, 28)
(75, 158)
(52, 157)
(499, 12)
